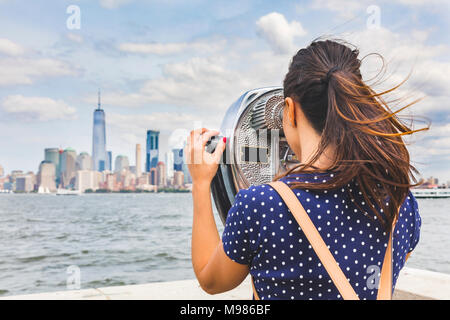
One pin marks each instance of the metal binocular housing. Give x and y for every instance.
(256, 147)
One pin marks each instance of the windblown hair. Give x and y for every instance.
(367, 136)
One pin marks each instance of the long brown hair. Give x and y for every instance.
(367, 136)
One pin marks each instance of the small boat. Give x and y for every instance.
(430, 193)
(42, 190)
(67, 192)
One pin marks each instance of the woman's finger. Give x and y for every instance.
(196, 135)
(220, 148)
(197, 132)
(207, 135)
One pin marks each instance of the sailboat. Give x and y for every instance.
(43, 190)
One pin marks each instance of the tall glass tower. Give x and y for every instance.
(99, 138)
(151, 158)
(109, 160)
(52, 155)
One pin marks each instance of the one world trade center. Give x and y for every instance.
(99, 138)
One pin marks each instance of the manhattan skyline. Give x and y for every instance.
(168, 66)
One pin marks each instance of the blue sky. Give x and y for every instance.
(170, 65)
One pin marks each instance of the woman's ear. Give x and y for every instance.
(290, 106)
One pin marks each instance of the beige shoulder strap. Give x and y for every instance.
(324, 254)
(385, 284)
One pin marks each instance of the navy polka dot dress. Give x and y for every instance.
(261, 232)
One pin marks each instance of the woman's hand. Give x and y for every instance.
(203, 165)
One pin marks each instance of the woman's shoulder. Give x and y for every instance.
(409, 210)
(407, 229)
(257, 195)
(410, 201)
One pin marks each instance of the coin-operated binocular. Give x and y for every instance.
(256, 147)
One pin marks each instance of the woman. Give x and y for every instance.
(353, 181)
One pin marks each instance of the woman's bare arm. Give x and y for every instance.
(215, 271)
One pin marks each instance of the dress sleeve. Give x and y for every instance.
(416, 221)
(235, 237)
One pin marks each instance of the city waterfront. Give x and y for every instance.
(122, 239)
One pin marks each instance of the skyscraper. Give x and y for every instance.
(84, 161)
(169, 165)
(99, 138)
(161, 179)
(178, 178)
(187, 175)
(46, 176)
(121, 163)
(68, 170)
(154, 176)
(177, 159)
(109, 160)
(138, 160)
(151, 159)
(52, 155)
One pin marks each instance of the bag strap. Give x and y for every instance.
(385, 283)
(335, 272)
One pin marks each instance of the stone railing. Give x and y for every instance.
(413, 284)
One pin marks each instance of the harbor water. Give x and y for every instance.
(122, 239)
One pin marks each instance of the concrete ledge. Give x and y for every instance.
(413, 284)
(424, 283)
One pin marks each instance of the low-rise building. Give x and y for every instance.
(24, 183)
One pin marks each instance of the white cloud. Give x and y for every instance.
(345, 9)
(14, 71)
(17, 68)
(278, 32)
(75, 37)
(10, 48)
(113, 4)
(198, 82)
(348, 9)
(422, 2)
(204, 46)
(37, 108)
(205, 84)
(121, 99)
(214, 82)
(138, 123)
(404, 55)
(431, 150)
